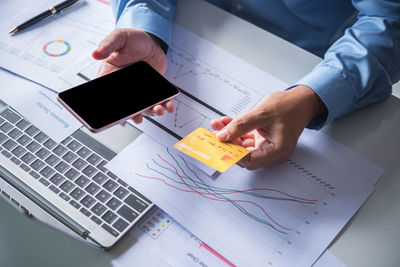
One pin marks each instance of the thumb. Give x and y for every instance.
(239, 126)
(114, 41)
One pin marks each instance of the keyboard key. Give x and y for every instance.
(71, 174)
(44, 181)
(96, 220)
(89, 170)
(103, 196)
(127, 213)
(120, 225)
(34, 174)
(57, 179)
(100, 178)
(22, 124)
(37, 165)
(54, 189)
(31, 130)
(86, 212)
(74, 145)
(93, 159)
(5, 127)
(42, 153)
(62, 167)
(28, 158)
(92, 188)
(69, 157)
(120, 192)
(10, 115)
(67, 186)
(114, 203)
(47, 172)
(75, 204)
(9, 144)
(2, 120)
(40, 137)
(112, 175)
(130, 188)
(33, 146)
(121, 182)
(24, 167)
(82, 181)
(87, 201)
(64, 196)
(3, 137)
(50, 144)
(59, 150)
(6, 153)
(14, 133)
(66, 140)
(84, 152)
(15, 160)
(52, 160)
(79, 164)
(18, 151)
(77, 193)
(23, 140)
(98, 209)
(110, 230)
(110, 185)
(109, 216)
(101, 166)
(136, 203)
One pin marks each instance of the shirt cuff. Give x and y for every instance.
(333, 89)
(146, 20)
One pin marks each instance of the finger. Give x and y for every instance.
(158, 110)
(111, 43)
(219, 124)
(138, 119)
(169, 106)
(266, 154)
(240, 126)
(248, 143)
(106, 68)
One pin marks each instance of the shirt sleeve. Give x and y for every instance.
(152, 16)
(361, 66)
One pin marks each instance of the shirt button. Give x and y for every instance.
(239, 7)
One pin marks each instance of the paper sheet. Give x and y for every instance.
(154, 236)
(45, 51)
(38, 105)
(284, 215)
(152, 239)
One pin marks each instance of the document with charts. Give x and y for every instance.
(284, 215)
(43, 52)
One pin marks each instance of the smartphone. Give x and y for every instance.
(117, 96)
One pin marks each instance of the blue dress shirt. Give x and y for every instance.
(359, 40)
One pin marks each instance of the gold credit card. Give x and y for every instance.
(204, 146)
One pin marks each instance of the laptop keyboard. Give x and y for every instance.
(74, 170)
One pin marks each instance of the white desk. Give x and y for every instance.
(371, 238)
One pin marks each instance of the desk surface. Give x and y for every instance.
(371, 238)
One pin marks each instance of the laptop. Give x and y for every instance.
(67, 181)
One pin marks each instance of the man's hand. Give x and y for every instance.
(123, 47)
(279, 119)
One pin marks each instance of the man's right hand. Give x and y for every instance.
(123, 47)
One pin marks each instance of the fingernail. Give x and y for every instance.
(222, 135)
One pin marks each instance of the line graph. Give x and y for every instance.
(171, 173)
(188, 71)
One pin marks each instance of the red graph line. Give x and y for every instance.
(221, 200)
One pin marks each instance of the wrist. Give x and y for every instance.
(308, 102)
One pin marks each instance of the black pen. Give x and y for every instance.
(51, 11)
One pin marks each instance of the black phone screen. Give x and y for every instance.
(118, 95)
